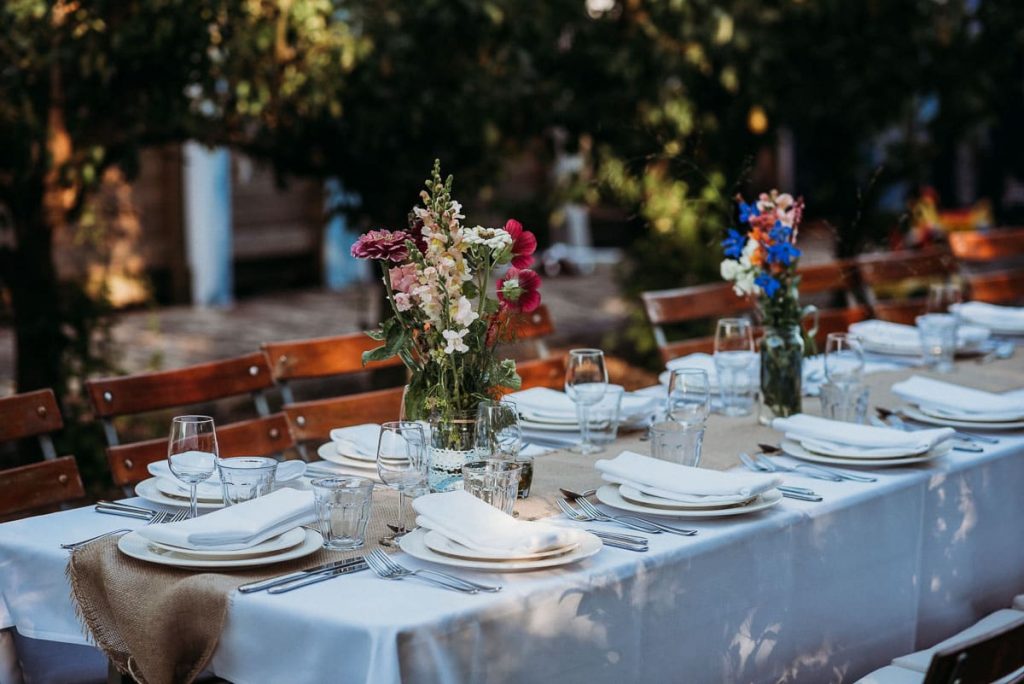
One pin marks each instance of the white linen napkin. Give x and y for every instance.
(957, 399)
(683, 483)
(542, 403)
(803, 427)
(466, 520)
(363, 438)
(906, 337)
(991, 315)
(240, 526)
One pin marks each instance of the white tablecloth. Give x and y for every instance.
(805, 592)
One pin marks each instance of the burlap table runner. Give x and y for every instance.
(165, 623)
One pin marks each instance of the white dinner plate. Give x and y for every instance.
(288, 540)
(634, 495)
(548, 427)
(845, 451)
(174, 489)
(147, 489)
(135, 545)
(966, 417)
(609, 494)
(796, 451)
(328, 452)
(436, 541)
(913, 412)
(413, 544)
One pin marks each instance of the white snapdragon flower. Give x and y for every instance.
(495, 239)
(402, 301)
(454, 342)
(729, 269)
(463, 313)
(745, 284)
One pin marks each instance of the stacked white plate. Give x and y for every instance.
(941, 403)
(847, 455)
(1001, 320)
(963, 419)
(163, 488)
(295, 543)
(627, 498)
(432, 546)
(884, 337)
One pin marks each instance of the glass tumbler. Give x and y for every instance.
(677, 442)
(343, 510)
(246, 477)
(603, 417)
(847, 402)
(495, 482)
(938, 340)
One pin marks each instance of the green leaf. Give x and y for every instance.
(377, 334)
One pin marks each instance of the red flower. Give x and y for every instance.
(384, 245)
(519, 290)
(524, 244)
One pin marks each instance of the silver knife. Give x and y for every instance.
(301, 574)
(801, 497)
(359, 565)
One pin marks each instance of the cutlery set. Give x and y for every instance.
(896, 420)
(151, 517)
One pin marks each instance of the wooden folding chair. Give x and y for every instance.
(134, 394)
(984, 659)
(894, 281)
(312, 421)
(690, 304)
(36, 485)
(992, 263)
(824, 285)
(533, 327)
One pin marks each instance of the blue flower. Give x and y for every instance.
(782, 253)
(734, 244)
(767, 283)
(780, 233)
(748, 210)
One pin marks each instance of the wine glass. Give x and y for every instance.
(402, 465)
(941, 296)
(734, 364)
(586, 379)
(689, 396)
(498, 434)
(192, 453)
(844, 359)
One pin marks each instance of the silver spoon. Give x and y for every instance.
(569, 494)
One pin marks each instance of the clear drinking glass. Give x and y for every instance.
(586, 379)
(246, 477)
(844, 359)
(734, 365)
(677, 443)
(689, 396)
(604, 416)
(343, 510)
(401, 465)
(938, 340)
(498, 434)
(847, 402)
(192, 453)
(495, 482)
(941, 296)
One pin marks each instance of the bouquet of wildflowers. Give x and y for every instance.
(445, 323)
(761, 261)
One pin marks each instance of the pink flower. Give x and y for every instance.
(403, 278)
(519, 290)
(384, 245)
(524, 244)
(403, 302)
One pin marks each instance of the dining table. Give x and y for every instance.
(803, 591)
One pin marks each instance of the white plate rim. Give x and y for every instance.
(936, 412)
(162, 482)
(136, 546)
(796, 451)
(414, 545)
(639, 497)
(839, 453)
(147, 490)
(917, 415)
(609, 494)
(285, 540)
(328, 452)
(568, 548)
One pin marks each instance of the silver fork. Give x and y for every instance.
(385, 571)
(391, 563)
(812, 471)
(599, 514)
(583, 516)
(156, 519)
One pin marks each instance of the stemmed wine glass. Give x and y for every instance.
(192, 453)
(941, 296)
(844, 359)
(498, 434)
(689, 396)
(402, 465)
(586, 379)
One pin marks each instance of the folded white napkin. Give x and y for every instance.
(991, 315)
(683, 483)
(240, 526)
(362, 438)
(803, 427)
(466, 520)
(906, 337)
(956, 399)
(542, 403)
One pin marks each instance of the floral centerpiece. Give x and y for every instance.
(446, 321)
(761, 262)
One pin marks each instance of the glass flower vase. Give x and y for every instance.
(782, 353)
(452, 445)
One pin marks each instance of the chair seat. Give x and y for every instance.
(920, 660)
(890, 674)
(1018, 603)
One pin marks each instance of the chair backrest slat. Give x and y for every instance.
(39, 484)
(548, 373)
(1003, 287)
(987, 245)
(28, 415)
(322, 357)
(180, 387)
(986, 658)
(266, 436)
(314, 420)
(889, 268)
